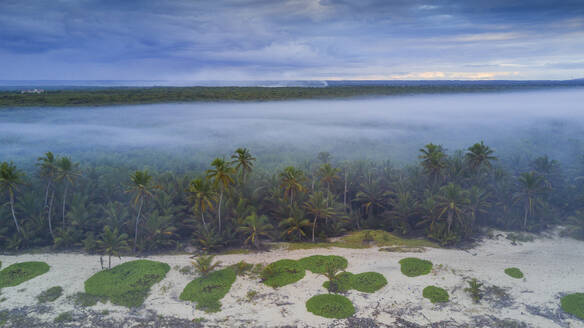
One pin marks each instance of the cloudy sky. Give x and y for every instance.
(291, 39)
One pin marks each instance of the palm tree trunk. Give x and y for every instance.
(12, 209)
(50, 213)
(449, 220)
(203, 218)
(47, 193)
(137, 221)
(314, 227)
(525, 218)
(64, 200)
(345, 194)
(219, 209)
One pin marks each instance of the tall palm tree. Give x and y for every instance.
(10, 178)
(291, 180)
(453, 202)
(430, 211)
(403, 207)
(67, 172)
(48, 170)
(317, 205)
(532, 186)
(203, 195)
(243, 161)
(255, 227)
(294, 225)
(328, 175)
(371, 197)
(433, 160)
(479, 155)
(478, 203)
(111, 243)
(221, 174)
(140, 186)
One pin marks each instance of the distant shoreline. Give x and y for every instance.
(108, 96)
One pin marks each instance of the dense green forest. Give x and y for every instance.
(151, 95)
(444, 198)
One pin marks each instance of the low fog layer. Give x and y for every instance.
(538, 122)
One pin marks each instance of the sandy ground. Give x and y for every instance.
(553, 266)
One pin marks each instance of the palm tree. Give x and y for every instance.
(430, 211)
(48, 170)
(403, 206)
(477, 203)
(10, 178)
(433, 160)
(141, 188)
(291, 181)
(67, 172)
(317, 205)
(328, 175)
(371, 197)
(480, 154)
(255, 227)
(532, 186)
(204, 265)
(243, 161)
(222, 179)
(203, 195)
(295, 224)
(111, 243)
(453, 201)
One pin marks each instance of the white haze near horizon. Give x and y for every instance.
(538, 122)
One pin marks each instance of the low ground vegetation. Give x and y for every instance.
(127, 284)
(208, 290)
(50, 294)
(413, 267)
(514, 273)
(330, 306)
(16, 274)
(435, 294)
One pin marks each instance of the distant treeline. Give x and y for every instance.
(151, 95)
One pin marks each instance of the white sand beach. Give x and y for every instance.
(553, 266)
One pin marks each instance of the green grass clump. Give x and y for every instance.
(206, 291)
(127, 284)
(18, 273)
(330, 306)
(64, 317)
(574, 304)
(367, 282)
(435, 294)
(318, 263)
(84, 299)
(50, 294)
(514, 273)
(413, 267)
(282, 273)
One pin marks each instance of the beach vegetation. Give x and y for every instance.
(205, 264)
(282, 273)
(330, 306)
(474, 289)
(208, 290)
(320, 263)
(64, 317)
(16, 274)
(127, 284)
(514, 273)
(50, 294)
(413, 267)
(574, 304)
(435, 294)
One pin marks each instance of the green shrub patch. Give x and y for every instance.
(50, 294)
(330, 306)
(127, 284)
(207, 291)
(574, 304)
(514, 273)
(282, 273)
(367, 282)
(318, 263)
(413, 267)
(18, 273)
(435, 294)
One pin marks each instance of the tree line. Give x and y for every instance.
(444, 197)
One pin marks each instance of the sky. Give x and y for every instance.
(235, 40)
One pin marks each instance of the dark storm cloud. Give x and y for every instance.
(293, 39)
